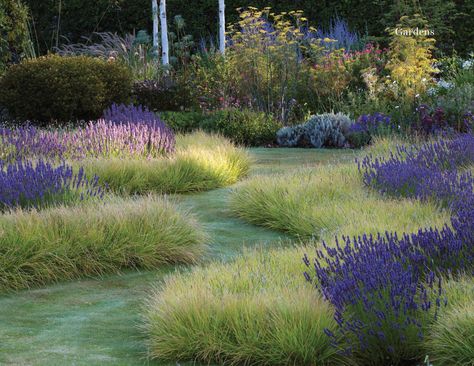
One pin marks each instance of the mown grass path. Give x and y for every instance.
(95, 321)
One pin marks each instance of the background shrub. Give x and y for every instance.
(182, 122)
(63, 89)
(243, 126)
(14, 34)
(322, 130)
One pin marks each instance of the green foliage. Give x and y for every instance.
(243, 127)
(359, 139)
(257, 310)
(271, 66)
(183, 122)
(328, 130)
(201, 162)
(40, 247)
(63, 89)
(456, 103)
(14, 32)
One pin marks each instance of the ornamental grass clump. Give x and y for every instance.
(37, 184)
(387, 288)
(253, 311)
(63, 243)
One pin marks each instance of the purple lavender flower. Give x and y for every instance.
(125, 131)
(381, 286)
(371, 123)
(28, 184)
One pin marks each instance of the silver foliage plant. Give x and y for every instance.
(321, 130)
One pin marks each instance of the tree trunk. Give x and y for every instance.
(164, 34)
(222, 26)
(154, 8)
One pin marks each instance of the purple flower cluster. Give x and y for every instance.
(148, 134)
(424, 172)
(339, 30)
(371, 123)
(382, 287)
(28, 184)
(28, 141)
(125, 131)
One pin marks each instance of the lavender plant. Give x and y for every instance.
(27, 184)
(339, 31)
(125, 131)
(371, 123)
(385, 289)
(29, 142)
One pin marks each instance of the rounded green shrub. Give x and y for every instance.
(63, 89)
(321, 130)
(243, 126)
(182, 122)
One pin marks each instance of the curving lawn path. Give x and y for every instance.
(96, 321)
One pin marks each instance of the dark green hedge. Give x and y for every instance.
(451, 19)
(63, 89)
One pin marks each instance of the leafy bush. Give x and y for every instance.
(411, 59)
(15, 42)
(63, 89)
(39, 184)
(457, 103)
(243, 126)
(322, 130)
(62, 243)
(183, 122)
(366, 127)
(267, 66)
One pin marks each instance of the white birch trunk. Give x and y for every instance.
(164, 34)
(154, 8)
(222, 26)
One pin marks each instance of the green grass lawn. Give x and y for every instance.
(96, 321)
